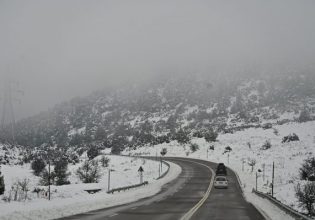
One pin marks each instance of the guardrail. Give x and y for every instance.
(295, 214)
(127, 187)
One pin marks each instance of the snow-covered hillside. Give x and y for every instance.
(72, 199)
(247, 145)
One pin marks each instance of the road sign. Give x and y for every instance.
(140, 169)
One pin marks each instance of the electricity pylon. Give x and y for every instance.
(10, 92)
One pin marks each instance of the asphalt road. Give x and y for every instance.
(187, 196)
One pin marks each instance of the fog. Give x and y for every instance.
(60, 49)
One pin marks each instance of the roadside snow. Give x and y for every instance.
(72, 199)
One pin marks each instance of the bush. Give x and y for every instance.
(194, 147)
(267, 126)
(306, 196)
(304, 116)
(211, 136)
(61, 174)
(2, 186)
(104, 161)
(89, 172)
(38, 165)
(267, 145)
(290, 137)
(307, 171)
(93, 152)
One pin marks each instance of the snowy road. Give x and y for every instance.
(187, 196)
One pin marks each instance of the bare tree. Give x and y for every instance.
(252, 163)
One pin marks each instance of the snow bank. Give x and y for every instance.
(72, 199)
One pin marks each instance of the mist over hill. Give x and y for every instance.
(169, 108)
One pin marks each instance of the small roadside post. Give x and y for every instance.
(259, 171)
(273, 178)
(140, 171)
(207, 153)
(108, 184)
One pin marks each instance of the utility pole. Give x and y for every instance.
(264, 166)
(273, 177)
(256, 180)
(108, 184)
(161, 164)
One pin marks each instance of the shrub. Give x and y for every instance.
(194, 147)
(38, 165)
(306, 196)
(211, 136)
(211, 147)
(267, 145)
(307, 171)
(304, 116)
(267, 126)
(89, 172)
(60, 171)
(104, 161)
(275, 131)
(290, 137)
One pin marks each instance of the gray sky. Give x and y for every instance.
(59, 49)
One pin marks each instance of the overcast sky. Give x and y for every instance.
(59, 49)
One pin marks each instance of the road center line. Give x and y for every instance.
(193, 210)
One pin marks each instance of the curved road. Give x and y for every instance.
(185, 198)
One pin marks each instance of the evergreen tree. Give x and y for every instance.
(61, 173)
(182, 137)
(2, 186)
(93, 152)
(38, 165)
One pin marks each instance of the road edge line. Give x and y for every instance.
(262, 212)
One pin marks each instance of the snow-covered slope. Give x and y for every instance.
(287, 157)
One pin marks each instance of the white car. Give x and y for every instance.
(221, 182)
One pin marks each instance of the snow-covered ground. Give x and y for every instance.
(246, 145)
(72, 199)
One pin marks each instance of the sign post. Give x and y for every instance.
(140, 170)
